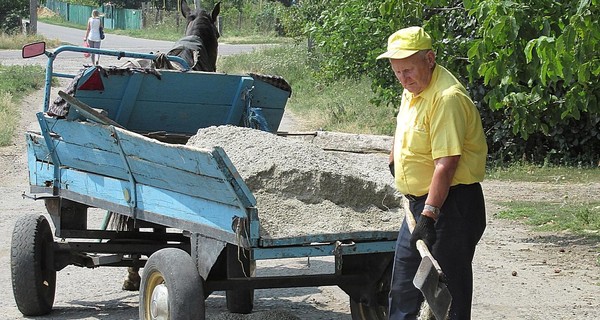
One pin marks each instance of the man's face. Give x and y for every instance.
(414, 72)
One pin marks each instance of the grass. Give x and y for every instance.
(577, 218)
(16, 41)
(15, 82)
(549, 216)
(521, 171)
(582, 219)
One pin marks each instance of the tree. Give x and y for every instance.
(11, 12)
(539, 63)
(530, 67)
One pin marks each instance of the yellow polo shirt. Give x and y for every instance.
(439, 122)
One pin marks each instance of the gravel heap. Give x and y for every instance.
(301, 189)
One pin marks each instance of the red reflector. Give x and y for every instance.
(94, 82)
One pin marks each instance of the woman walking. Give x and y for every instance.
(92, 34)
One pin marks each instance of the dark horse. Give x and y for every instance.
(198, 47)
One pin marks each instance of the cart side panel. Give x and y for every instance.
(271, 100)
(171, 167)
(154, 204)
(174, 101)
(138, 174)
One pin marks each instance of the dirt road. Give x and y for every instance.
(518, 274)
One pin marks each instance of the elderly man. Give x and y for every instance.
(438, 160)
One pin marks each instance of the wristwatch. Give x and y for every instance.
(434, 210)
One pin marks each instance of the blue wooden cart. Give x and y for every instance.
(118, 143)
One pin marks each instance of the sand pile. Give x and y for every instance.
(301, 189)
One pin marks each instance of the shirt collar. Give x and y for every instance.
(428, 93)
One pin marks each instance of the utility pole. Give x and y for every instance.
(197, 4)
(33, 5)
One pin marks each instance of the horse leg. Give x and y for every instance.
(133, 279)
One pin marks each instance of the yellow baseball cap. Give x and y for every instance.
(406, 42)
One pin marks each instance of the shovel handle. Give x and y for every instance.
(421, 246)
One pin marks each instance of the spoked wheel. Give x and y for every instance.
(32, 270)
(171, 287)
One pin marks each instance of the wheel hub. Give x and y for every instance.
(159, 303)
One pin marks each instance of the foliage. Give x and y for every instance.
(298, 18)
(129, 4)
(530, 67)
(91, 3)
(248, 17)
(19, 7)
(539, 62)
(11, 12)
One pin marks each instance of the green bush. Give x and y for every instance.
(530, 68)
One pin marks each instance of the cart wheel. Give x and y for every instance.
(33, 275)
(171, 287)
(374, 311)
(361, 311)
(240, 300)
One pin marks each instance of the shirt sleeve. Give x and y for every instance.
(449, 124)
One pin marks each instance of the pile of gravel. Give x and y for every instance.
(302, 189)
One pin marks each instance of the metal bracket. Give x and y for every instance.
(338, 253)
(52, 150)
(130, 195)
(253, 117)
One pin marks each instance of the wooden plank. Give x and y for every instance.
(150, 199)
(128, 100)
(180, 117)
(193, 87)
(173, 87)
(356, 236)
(305, 250)
(87, 111)
(177, 168)
(154, 174)
(183, 102)
(92, 136)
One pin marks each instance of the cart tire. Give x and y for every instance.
(241, 300)
(361, 311)
(378, 310)
(31, 263)
(171, 287)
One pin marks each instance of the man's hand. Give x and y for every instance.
(424, 230)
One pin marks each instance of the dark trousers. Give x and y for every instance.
(459, 228)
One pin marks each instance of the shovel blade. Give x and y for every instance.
(436, 293)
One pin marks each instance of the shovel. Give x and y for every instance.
(428, 276)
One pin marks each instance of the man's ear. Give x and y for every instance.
(430, 56)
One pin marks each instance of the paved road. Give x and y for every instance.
(117, 42)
